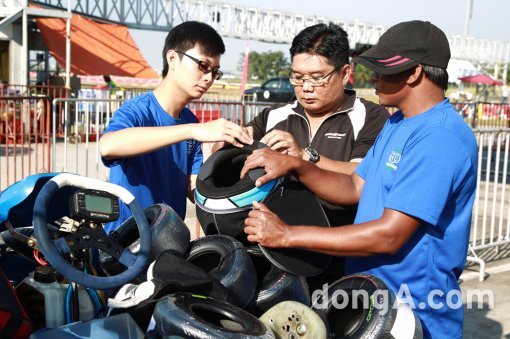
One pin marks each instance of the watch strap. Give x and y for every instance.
(313, 155)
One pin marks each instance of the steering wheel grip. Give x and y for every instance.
(53, 250)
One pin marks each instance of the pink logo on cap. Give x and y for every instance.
(389, 63)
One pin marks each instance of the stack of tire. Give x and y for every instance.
(255, 286)
(253, 283)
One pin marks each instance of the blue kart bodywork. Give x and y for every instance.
(17, 201)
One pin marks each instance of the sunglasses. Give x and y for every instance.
(205, 67)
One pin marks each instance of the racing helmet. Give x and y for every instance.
(223, 200)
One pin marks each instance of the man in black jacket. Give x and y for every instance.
(328, 124)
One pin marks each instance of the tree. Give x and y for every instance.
(507, 74)
(362, 76)
(266, 65)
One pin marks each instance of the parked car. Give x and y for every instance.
(273, 90)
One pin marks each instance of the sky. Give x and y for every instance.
(490, 19)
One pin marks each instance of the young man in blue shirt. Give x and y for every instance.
(415, 187)
(152, 143)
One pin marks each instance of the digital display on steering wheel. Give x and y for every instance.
(94, 205)
(98, 204)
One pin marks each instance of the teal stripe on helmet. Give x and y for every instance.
(255, 194)
(199, 197)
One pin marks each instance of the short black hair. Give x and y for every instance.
(329, 41)
(438, 76)
(186, 35)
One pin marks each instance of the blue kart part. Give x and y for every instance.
(19, 199)
(54, 250)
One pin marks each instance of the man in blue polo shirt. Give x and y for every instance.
(152, 143)
(415, 186)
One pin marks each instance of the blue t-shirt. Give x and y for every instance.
(159, 176)
(423, 166)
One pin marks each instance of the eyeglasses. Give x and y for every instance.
(205, 67)
(313, 81)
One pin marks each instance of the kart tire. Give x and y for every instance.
(168, 232)
(375, 318)
(274, 285)
(226, 259)
(191, 316)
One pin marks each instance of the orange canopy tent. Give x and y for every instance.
(96, 48)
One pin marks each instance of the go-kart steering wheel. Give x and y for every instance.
(54, 250)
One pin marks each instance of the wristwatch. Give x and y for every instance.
(313, 155)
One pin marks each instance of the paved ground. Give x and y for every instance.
(488, 321)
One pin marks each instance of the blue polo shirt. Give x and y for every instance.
(159, 176)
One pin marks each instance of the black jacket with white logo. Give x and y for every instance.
(346, 135)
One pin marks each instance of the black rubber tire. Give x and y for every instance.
(275, 285)
(364, 321)
(191, 316)
(168, 233)
(226, 259)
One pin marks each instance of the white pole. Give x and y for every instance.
(505, 64)
(68, 45)
(23, 74)
(468, 17)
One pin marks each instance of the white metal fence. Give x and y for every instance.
(490, 226)
(79, 123)
(84, 119)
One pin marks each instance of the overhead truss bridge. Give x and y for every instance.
(253, 23)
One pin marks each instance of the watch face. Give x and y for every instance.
(312, 154)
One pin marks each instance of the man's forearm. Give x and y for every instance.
(337, 166)
(336, 188)
(136, 141)
(385, 235)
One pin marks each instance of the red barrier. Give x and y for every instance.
(24, 136)
(207, 115)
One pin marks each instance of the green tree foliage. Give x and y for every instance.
(266, 65)
(362, 77)
(508, 74)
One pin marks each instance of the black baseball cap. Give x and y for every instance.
(405, 46)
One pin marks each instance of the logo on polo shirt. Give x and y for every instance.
(334, 135)
(394, 159)
(191, 145)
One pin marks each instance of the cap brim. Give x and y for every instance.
(384, 62)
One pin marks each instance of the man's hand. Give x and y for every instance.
(250, 131)
(283, 142)
(220, 144)
(264, 227)
(222, 130)
(275, 164)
